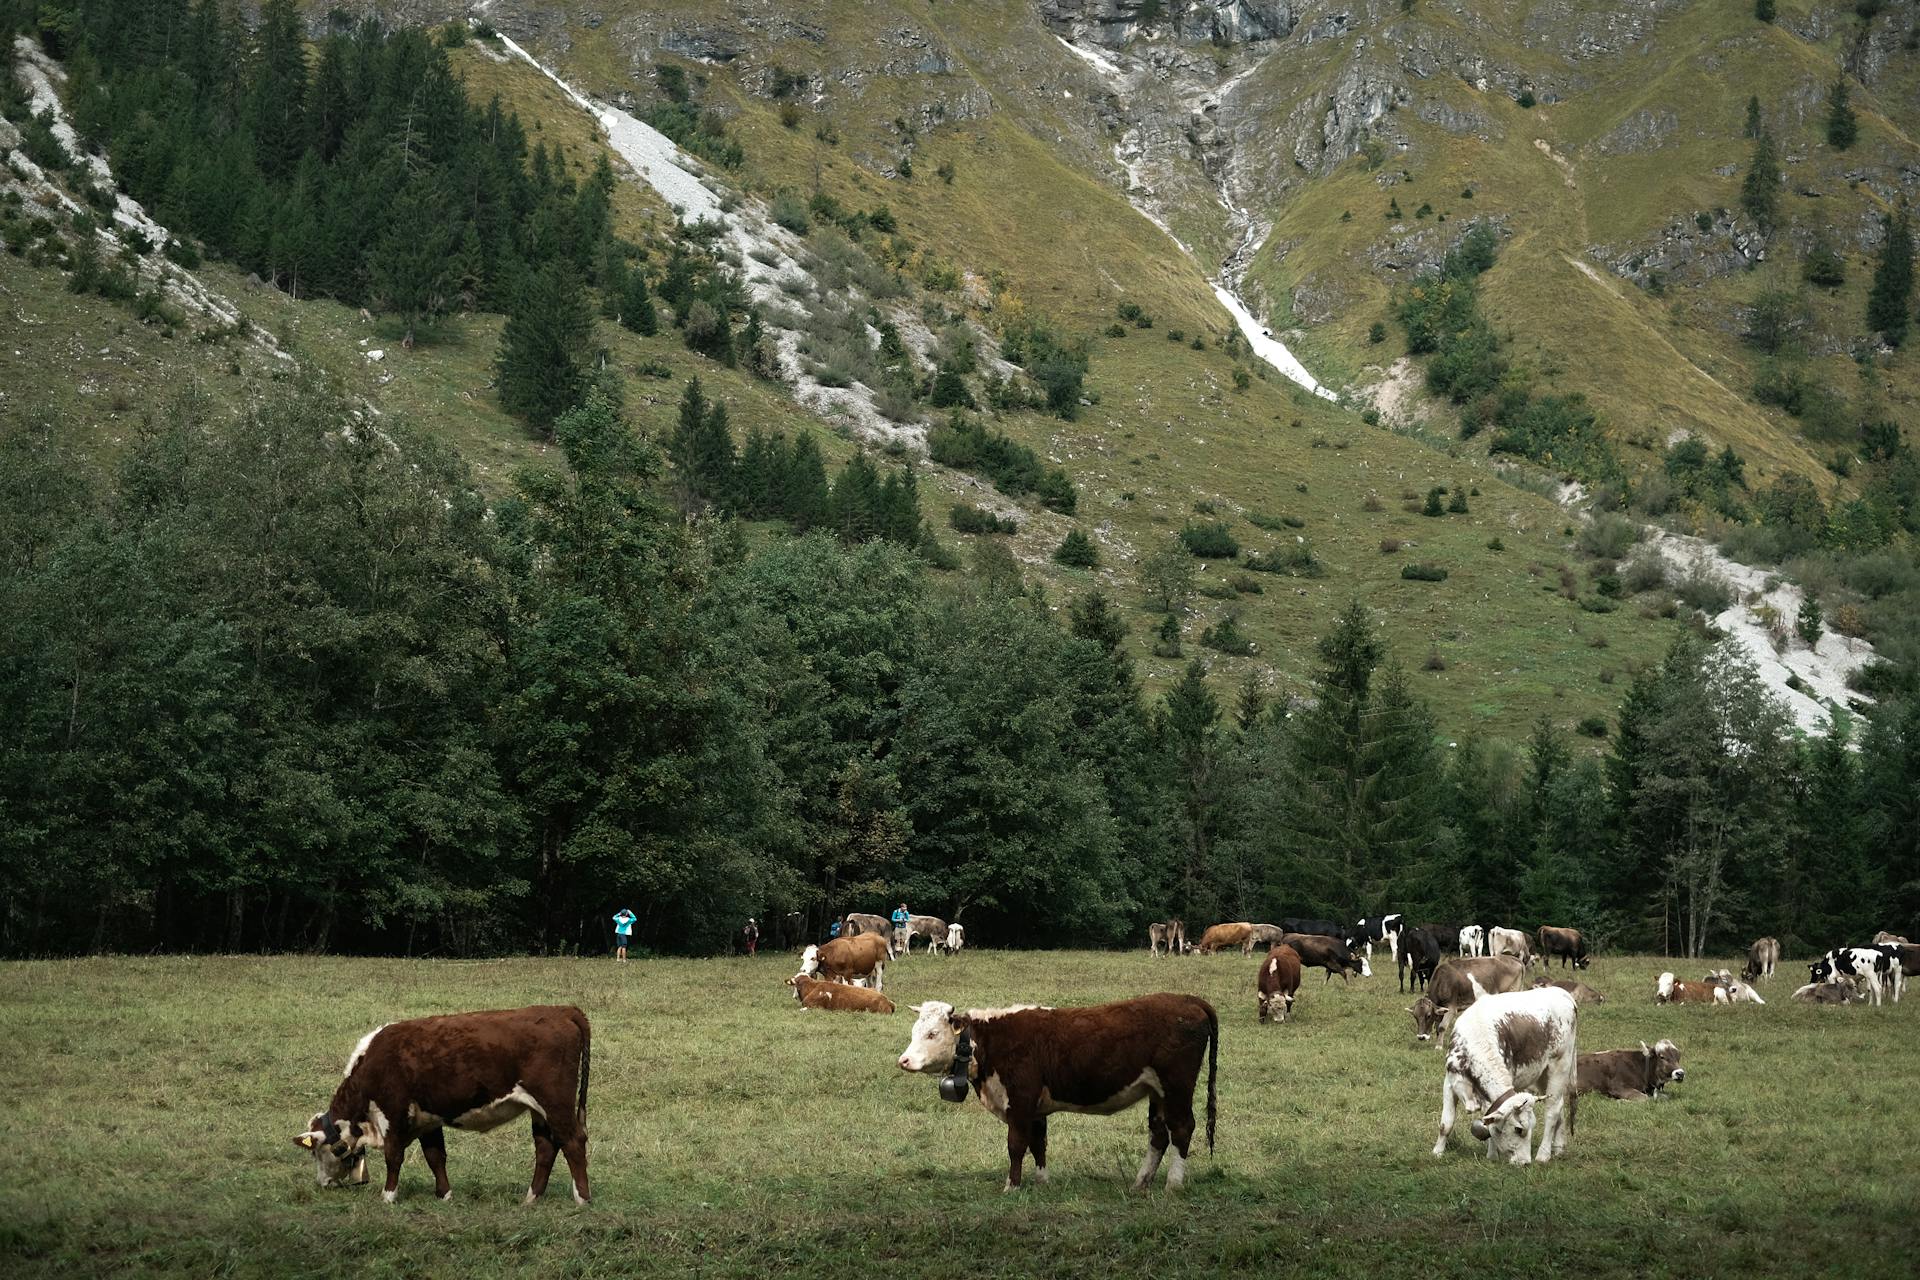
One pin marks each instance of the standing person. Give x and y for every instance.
(750, 936)
(622, 933)
(900, 918)
(833, 931)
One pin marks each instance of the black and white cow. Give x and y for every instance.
(1509, 1051)
(1473, 940)
(1372, 929)
(1870, 965)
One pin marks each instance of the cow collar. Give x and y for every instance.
(953, 1085)
(1495, 1104)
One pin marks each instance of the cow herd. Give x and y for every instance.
(1512, 1066)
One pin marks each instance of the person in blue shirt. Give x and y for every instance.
(622, 932)
(833, 931)
(900, 918)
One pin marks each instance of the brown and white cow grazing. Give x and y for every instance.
(1278, 982)
(1171, 934)
(863, 956)
(1568, 944)
(1762, 956)
(1219, 936)
(1334, 955)
(1456, 984)
(1580, 991)
(1028, 1063)
(409, 1081)
(818, 993)
(1630, 1075)
(1885, 936)
(1509, 1051)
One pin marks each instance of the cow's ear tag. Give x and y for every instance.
(304, 1140)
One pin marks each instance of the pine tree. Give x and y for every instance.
(277, 89)
(1189, 724)
(1842, 126)
(759, 465)
(714, 462)
(411, 268)
(542, 364)
(856, 500)
(1754, 124)
(805, 498)
(1760, 192)
(1076, 551)
(1763, 10)
(1893, 281)
(636, 306)
(683, 446)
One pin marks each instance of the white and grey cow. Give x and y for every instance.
(956, 936)
(1473, 940)
(1510, 942)
(1510, 1051)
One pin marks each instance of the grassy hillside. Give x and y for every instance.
(711, 1154)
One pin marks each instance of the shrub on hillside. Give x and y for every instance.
(1210, 541)
(1423, 573)
(968, 518)
(1225, 636)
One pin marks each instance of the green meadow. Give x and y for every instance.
(152, 1102)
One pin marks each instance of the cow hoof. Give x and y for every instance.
(529, 1198)
(1011, 1187)
(447, 1194)
(1040, 1176)
(389, 1196)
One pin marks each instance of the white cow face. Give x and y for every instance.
(934, 1038)
(810, 960)
(339, 1150)
(1508, 1130)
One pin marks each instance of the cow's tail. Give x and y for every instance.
(586, 1065)
(1213, 1068)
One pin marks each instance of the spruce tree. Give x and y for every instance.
(542, 364)
(1753, 126)
(856, 501)
(277, 88)
(1842, 126)
(1763, 10)
(1893, 281)
(411, 266)
(1760, 193)
(636, 306)
(804, 496)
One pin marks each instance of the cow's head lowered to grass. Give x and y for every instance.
(1507, 1128)
(339, 1150)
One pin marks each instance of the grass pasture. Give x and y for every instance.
(152, 1102)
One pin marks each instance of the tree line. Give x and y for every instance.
(289, 682)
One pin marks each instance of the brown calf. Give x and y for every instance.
(1278, 982)
(817, 993)
(1580, 991)
(1630, 1074)
(1028, 1063)
(1456, 984)
(409, 1081)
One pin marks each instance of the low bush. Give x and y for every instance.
(968, 518)
(1209, 541)
(1423, 573)
(1225, 636)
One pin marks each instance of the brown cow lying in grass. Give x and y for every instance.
(818, 993)
(1630, 1074)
